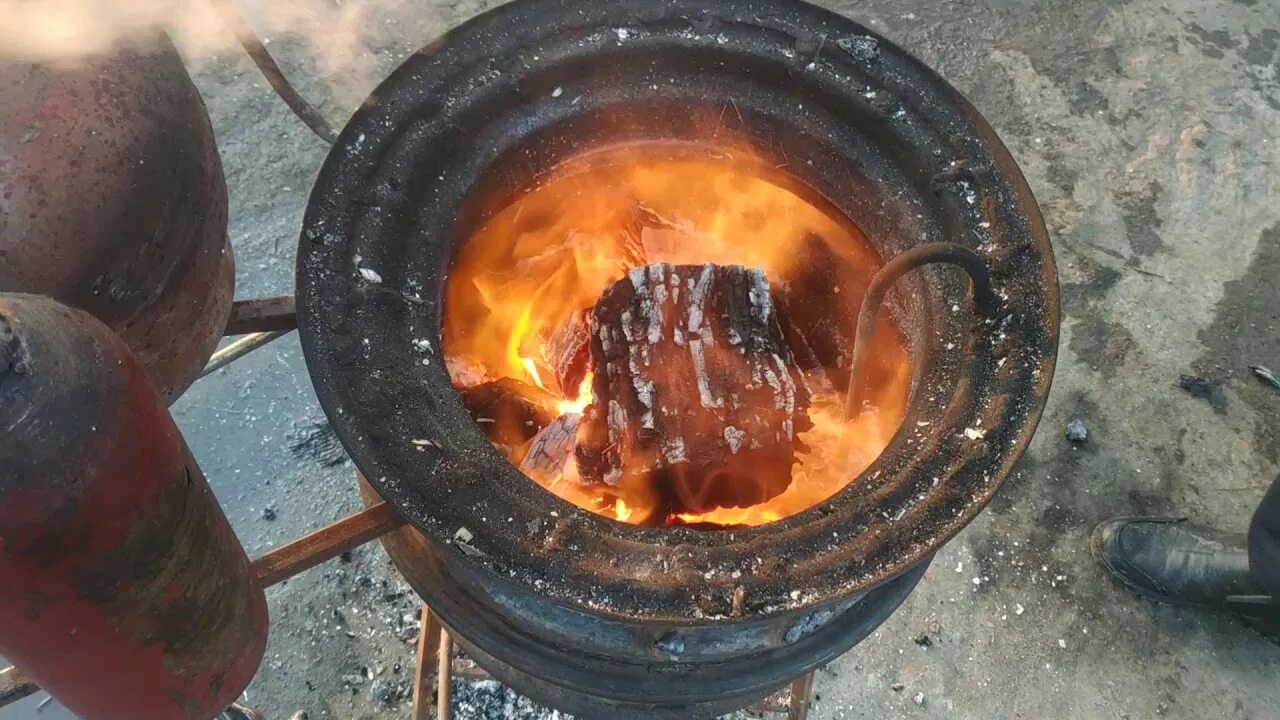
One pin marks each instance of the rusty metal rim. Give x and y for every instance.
(920, 492)
(589, 685)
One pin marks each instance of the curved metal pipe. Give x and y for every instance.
(900, 265)
(248, 39)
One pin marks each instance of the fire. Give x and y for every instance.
(546, 257)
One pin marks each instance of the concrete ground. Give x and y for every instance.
(1150, 133)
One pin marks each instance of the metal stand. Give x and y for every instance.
(793, 701)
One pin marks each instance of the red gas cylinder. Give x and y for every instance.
(112, 200)
(123, 590)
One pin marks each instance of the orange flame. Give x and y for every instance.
(548, 255)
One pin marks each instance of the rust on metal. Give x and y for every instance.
(113, 201)
(285, 562)
(428, 649)
(114, 553)
(801, 695)
(326, 543)
(555, 600)
(261, 315)
(444, 677)
(359, 336)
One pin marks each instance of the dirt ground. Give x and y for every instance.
(1150, 133)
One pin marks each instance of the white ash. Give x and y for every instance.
(617, 418)
(758, 295)
(627, 330)
(674, 451)
(700, 369)
(698, 298)
(465, 372)
(491, 700)
(734, 437)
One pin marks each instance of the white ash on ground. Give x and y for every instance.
(491, 700)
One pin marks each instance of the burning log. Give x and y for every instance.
(508, 411)
(567, 353)
(696, 396)
(550, 451)
(820, 306)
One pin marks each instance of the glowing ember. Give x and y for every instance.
(521, 287)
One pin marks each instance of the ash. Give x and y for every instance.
(491, 700)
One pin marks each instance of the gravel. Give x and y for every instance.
(1077, 432)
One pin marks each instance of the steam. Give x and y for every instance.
(69, 31)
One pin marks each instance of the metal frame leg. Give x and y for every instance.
(444, 677)
(801, 698)
(428, 650)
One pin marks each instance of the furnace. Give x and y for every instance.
(559, 599)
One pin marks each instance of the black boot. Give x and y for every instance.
(1171, 561)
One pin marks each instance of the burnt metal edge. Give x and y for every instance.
(589, 667)
(919, 493)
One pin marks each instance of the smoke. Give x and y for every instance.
(67, 31)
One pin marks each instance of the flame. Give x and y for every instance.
(547, 256)
(580, 401)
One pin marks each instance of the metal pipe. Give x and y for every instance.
(900, 265)
(240, 348)
(248, 39)
(428, 650)
(444, 677)
(801, 696)
(326, 543)
(262, 315)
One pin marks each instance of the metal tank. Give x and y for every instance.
(112, 200)
(123, 590)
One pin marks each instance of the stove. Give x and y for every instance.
(598, 617)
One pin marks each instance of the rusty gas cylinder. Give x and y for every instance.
(112, 200)
(123, 590)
